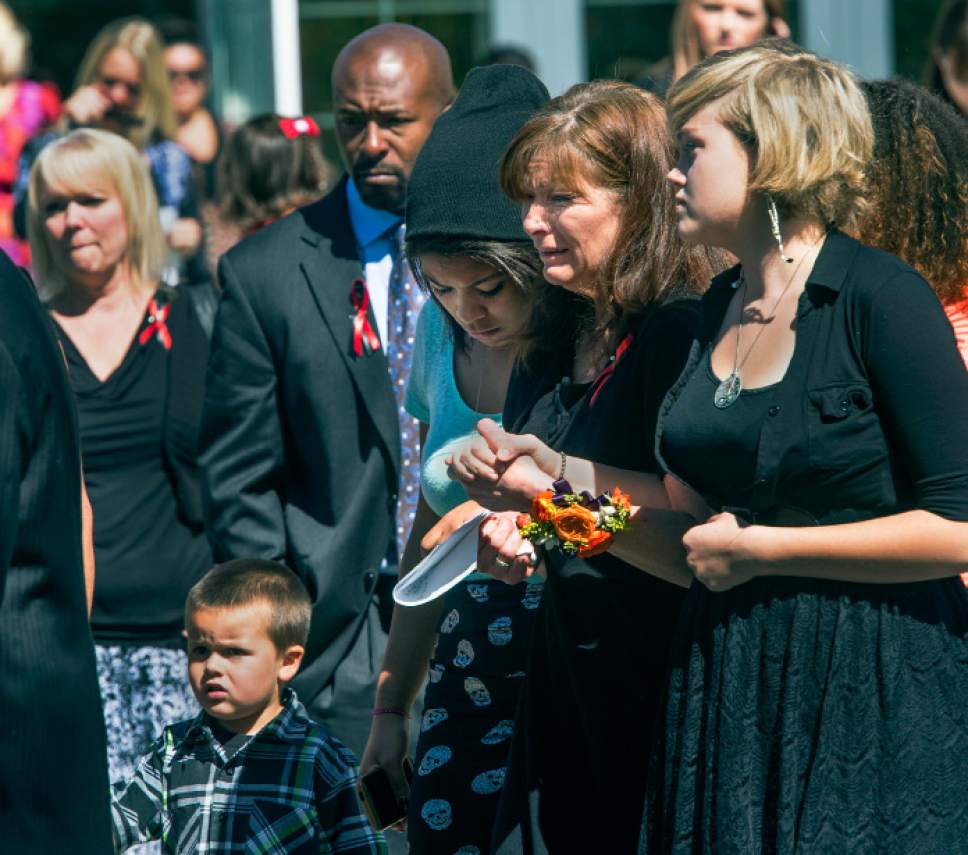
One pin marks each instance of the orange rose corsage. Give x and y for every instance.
(577, 523)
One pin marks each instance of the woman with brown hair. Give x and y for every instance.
(589, 171)
(269, 166)
(947, 71)
(701, 28)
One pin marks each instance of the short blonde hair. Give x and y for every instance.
(14, 44)
(154, 108)
(685, 40)
(73, 164)
(803, 119)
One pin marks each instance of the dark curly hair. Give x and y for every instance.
(918, 184)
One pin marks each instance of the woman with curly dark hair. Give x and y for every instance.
(918, 191)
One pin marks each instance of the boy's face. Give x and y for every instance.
(234, 667)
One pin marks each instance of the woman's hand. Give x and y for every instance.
(448, 524)
(185, 236)
(87, 106)
(504, 471)
(386, 747)
(718, 552)
(501, 551)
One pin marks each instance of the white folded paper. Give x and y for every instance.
(449, 562)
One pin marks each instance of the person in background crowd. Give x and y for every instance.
(490, 307)
(307, 454)
(701, 28)
(134, 355)
(269, 166)
(188, 74)
(53, 778)
(589, 172)
(122, 86)
(506, 54)
(917, 191)
(26, 108)
(947, 71)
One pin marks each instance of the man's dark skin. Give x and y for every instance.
(389, 85)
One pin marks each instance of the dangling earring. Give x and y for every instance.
(775, 228)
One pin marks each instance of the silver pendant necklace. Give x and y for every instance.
(729, 390)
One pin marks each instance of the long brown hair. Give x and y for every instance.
(685, 41)
(613, 135)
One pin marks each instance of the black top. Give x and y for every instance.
(599, 651)
(53, 775)
(808, 714)
(719, 449)
(148, 553)
(870, 417)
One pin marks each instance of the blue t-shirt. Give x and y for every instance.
(433, 398)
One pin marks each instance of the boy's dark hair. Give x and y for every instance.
(248, 580)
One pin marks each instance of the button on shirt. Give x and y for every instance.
(290, 788)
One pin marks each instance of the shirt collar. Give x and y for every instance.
(834, 261)
(288, 726)
(368, 223)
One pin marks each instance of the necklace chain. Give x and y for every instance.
(728, 391)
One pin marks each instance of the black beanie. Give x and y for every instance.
(454, 189)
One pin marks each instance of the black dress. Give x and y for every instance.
(576, 777)
(810, 715)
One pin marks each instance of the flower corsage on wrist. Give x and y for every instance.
(578, 523)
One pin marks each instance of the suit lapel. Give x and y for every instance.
(331, 264)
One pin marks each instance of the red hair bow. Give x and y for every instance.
(303, 126)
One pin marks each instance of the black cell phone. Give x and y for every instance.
(381, 805)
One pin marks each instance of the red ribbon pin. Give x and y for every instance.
(606, 374)
(157, 325)
(364, 336)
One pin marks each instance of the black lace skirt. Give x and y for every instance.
(815, 717)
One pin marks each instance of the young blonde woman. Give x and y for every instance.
(819, 670)
(135, 356)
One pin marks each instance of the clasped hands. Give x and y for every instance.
(504, 472)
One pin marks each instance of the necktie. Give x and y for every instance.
(403, 306)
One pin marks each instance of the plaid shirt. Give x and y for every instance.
(289, 789)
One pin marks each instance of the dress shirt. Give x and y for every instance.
(374, 239)
(290, 788)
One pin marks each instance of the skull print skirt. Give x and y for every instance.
(475, 679)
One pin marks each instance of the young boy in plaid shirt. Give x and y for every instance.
(252, 772)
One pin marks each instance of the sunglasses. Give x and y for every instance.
(195, 75)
